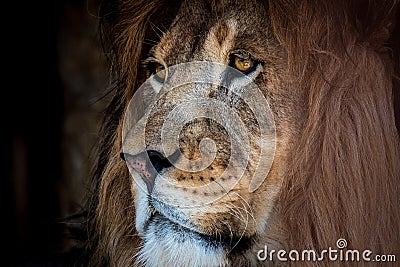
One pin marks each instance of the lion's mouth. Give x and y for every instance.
(181, 232)
(167, 220)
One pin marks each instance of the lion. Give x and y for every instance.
(313, 150)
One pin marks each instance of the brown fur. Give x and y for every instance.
(342, 175)
(344, 180)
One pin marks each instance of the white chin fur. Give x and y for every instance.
(165, 248)
(143, 212)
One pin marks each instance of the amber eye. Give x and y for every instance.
(159, 72)
(242, 62)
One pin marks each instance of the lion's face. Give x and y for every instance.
(202, 202)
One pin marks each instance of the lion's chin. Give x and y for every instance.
(167, 243)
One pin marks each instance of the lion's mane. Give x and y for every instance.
(343, 180)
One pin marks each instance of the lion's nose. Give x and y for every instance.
(158, 161)
(148, 164)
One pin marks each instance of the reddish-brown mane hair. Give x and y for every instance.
(344, 176)
(344, 180)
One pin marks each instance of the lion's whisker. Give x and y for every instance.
(156, 29)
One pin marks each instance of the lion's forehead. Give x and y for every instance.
(210, 33)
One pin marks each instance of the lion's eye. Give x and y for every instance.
(159, 72)
(242, 62)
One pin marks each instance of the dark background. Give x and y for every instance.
(51, 107)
